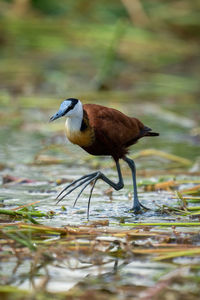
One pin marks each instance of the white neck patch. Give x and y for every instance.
(74, 119)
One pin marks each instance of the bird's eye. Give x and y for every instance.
(70, 107)
(67, 109)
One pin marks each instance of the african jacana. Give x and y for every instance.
(100, 130)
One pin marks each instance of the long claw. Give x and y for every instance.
(145, 207)
(82, 190)
(72, 189)
(74, 182)
(137, 209)
(93, 185)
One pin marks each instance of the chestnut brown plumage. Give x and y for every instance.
(100, 130)
(114, 132)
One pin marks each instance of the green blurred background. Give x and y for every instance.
(139, 56)
(91, 49)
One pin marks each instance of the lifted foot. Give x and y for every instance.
(84, 181)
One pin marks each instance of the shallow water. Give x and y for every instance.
(20, 148)
(18, 154)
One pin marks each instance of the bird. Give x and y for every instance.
(101, 131)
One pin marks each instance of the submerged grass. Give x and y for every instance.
(46, 247)
(32, 253)
(21, 213)
(168, 224)
(41, 256)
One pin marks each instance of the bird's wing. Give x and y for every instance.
(114, 126)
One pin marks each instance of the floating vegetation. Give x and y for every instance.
(44, 249)
(50, 250)
(162, 154)
(23, 214)
(54, 250)
(143, 61)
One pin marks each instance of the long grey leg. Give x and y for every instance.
(136, 203)
(117, 186)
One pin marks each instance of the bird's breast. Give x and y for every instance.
(82, 138)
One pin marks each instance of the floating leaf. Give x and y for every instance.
(162, 154)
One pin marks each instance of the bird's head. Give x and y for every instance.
(69, 108)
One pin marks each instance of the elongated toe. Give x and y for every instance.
(136, 209)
